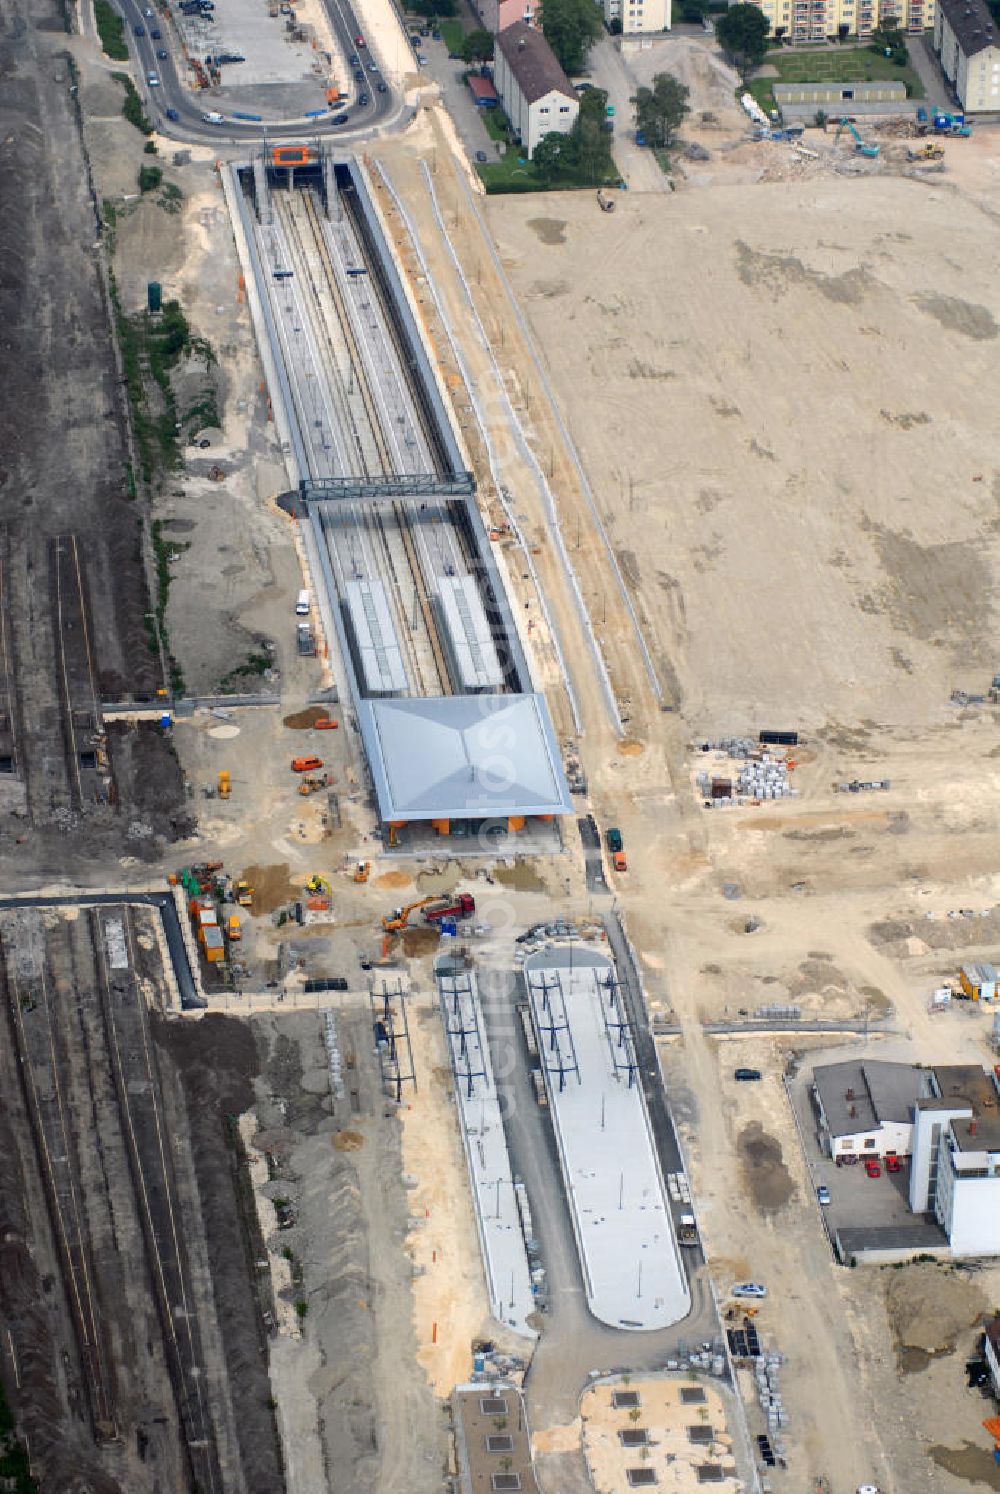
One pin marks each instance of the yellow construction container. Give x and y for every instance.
(225, 783)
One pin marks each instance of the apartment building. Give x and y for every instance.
(496, 15)
(638, 17)
(817, 20)
(966, 40)
(537, 96)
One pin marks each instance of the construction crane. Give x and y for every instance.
(871, 151)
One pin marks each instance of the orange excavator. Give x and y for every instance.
(395, 922)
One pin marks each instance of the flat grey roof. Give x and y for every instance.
(875, 1091)
(632, 1271)
(463, 757)
(981, 1134)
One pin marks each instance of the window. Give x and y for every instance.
(627, 1400)
(508, 1482)
(493, 1405)
(869, 1143)
(500, 1444)
(641, 1478)
(563, 108)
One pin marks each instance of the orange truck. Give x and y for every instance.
(306, 764)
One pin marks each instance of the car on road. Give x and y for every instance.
(355, 60)
(156, 33)
(359, 76)
(748, 1289)
(153, 79)
(213, 118)
(382, 87)
(747, 1076)
(339, 119)
(421, 60)
(582, 87)
(892, 1162)
(162, 53)
(364, 98)
(873, 1167)
(172, 114)
(823, 1194)
(139, 30)
(481, 155)
(359, 41)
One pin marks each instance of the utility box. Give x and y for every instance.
(154, 295)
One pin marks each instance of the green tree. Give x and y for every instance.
(660, 110)
(571, 27)
(592, 137)
(742, 33)
(555, 155)
(478, 46)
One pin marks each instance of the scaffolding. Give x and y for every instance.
(616, 1026)
(555, 1036)
(391, 1031)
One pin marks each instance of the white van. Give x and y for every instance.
(302, 605)
(213, 118)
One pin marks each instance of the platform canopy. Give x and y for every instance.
(463, 757)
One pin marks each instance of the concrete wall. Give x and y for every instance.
(892, 1137)
(968, 1209)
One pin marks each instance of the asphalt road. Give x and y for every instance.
(190, 124)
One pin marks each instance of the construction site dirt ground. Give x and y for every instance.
(773, 398)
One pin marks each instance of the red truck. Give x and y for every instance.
(463, 905)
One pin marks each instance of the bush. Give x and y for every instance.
(132, 107)
(149, 148)
(111, 30)
(150, 178)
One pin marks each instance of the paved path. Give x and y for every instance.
(637, 165)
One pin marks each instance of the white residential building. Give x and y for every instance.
(865, 1109)
(537, 96)
(817, 20)
(638, 17)
(966, 40)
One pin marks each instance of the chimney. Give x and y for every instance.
(849, 1095)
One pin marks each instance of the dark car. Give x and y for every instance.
(156, 33)
(172, 114)
(480, 155)
(364, 98)
(747, 1075)
(139, 30)
(382, 87)
(162, 53)
(359, 76)
(354, 59)
(339, 119)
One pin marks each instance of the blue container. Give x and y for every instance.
(166, 722)
(449, 926)
(479, 1363)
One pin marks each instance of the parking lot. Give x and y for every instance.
(272, 60)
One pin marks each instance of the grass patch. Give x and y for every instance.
(171, 197)
(832, 65)
(496, 125)
(164, 552)
(111, 30)
(132, 107)
(453, 35)
(513, 173)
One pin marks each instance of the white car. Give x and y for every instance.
(152, 80)
(748, 1289)
(213, 118)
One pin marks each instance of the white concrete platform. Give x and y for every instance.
(632, 1268)
(500, 1237)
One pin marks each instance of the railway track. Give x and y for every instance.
(346, 380)
(83, 732)
(346, 327)
(40, 1044)
(136, 1079)
(10, 758)
(403, 521)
